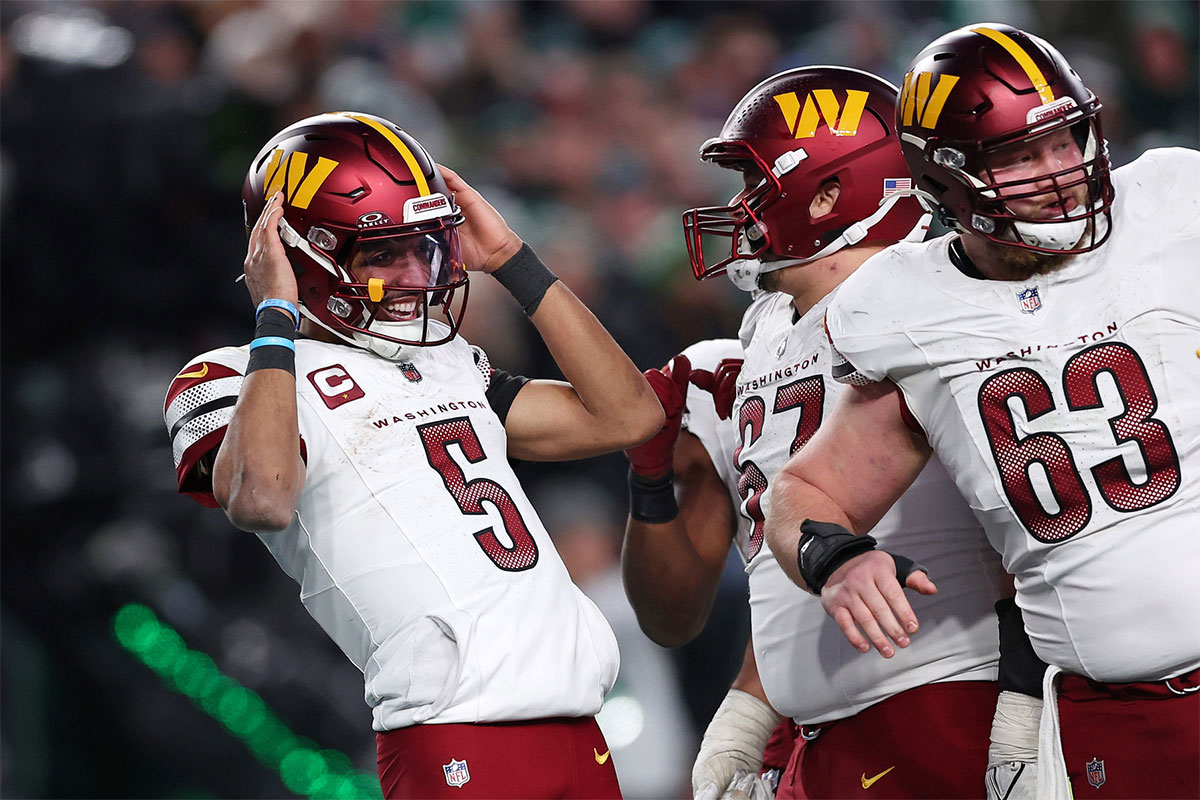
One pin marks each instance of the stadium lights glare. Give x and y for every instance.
(304, 768)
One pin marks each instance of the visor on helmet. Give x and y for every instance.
(407, 288)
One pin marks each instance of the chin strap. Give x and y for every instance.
(745, 273)
(392, 351)
(1062, 234)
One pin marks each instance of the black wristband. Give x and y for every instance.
(1020, 668)
(526, 278)
(652, 499)
(825, 546)
(275, 322)
(272, 347)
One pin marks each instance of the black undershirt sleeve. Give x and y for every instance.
(502, 391)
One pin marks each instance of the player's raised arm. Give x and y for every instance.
(258, 472)
(674, 550)
(829, 495)
(606, 404)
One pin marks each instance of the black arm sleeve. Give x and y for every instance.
(502, 391)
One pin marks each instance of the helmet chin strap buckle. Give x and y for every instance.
(855, 234)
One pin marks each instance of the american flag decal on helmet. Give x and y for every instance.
(893, 185)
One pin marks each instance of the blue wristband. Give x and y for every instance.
(273, 341)
(274, 302)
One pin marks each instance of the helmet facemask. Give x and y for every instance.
(421, 308)
(1083, 222)
(737, 226)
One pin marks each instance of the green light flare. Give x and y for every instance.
(302, 766)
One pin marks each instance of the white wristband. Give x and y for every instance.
(733, 742)
(1015, 729)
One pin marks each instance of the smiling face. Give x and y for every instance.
(1042, 178)
(394, 265)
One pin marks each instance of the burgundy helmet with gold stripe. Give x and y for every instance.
(359, 190)
(989, 86)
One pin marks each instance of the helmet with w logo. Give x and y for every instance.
(797, 130)
(990, 86)
(358, 190)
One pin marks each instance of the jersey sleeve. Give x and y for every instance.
(865, 321)
(499, 387)
(1164, 182)
(850, 348)
(700, 415)
(197, 410)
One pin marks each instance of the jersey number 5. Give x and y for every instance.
(1015, 454)
(471, 495)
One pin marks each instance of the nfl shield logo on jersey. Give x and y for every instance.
(409, 370)
(456, 772)
(1095, 772)
(1029, 299)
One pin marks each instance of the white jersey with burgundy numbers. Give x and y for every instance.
(717, 435)
(1067, 407)
(809, 670)
(413, 543)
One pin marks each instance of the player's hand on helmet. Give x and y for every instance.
(268, 271)
(655, 456)
(864, 596)
(721, 383)
(487, 241)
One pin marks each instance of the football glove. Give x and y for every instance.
(721, 383)
(656, 455)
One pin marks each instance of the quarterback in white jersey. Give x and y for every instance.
(1047, 351)
(371, 458)
(819, 223)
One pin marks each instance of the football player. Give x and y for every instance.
(367, 445)
(1045, 351)
(823, 170)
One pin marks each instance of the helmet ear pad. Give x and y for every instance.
(989, 86)
(349, 177)
(800, 129)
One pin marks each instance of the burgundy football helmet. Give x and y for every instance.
(801, 128)
(989, 86)
(357, 186)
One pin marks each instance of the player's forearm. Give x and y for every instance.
(258, 473)
(624, 410)
(793, 500)
(667, 583)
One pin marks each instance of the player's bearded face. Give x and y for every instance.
(1019, 264)
(1040, 197)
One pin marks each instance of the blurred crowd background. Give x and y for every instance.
(125, 132)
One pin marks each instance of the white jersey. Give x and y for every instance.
(415, 548)
(808, 669)
(718, 436)
(1067, 407)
